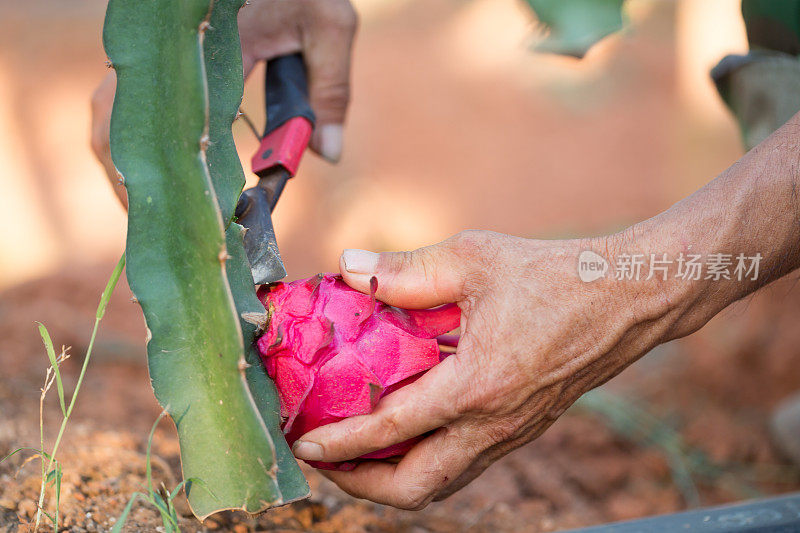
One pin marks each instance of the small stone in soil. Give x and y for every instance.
(27, 508)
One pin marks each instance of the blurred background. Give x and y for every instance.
(455, 123)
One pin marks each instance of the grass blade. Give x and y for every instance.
(169, 523)
(148, 465)
(180, 485)
(51, 354)
(51, 476)
(120, 523)
(101, 308)
(24, 448)
(177, 489)
(112, 283)
(59, 474)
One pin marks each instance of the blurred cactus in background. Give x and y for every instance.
(576, 25)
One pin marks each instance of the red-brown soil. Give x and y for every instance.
(717, 387)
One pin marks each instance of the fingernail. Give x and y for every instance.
(328, 139)
(308, 451)
(360, 261)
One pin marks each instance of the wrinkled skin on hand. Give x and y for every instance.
(534, 337)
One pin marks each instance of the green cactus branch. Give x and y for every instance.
(179, 86)
(576, 25)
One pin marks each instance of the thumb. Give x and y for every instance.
(419, 279)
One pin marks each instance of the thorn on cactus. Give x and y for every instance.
(259, 320)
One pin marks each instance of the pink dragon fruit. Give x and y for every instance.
(333, 352)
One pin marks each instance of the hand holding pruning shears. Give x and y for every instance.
(323, 31)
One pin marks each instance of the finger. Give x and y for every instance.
(248, 64)
(268, 29)
(327, 44)
(102, 105)
(281, 45)
(427, 404)
(422, 278)
(426, 471)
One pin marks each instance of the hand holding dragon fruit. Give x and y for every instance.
(533, 338)
(334, 352)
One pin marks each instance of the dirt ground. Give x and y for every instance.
(716, 388)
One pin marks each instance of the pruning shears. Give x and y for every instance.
(290, 122)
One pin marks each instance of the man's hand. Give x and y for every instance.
(534, 337)
(323, 30)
